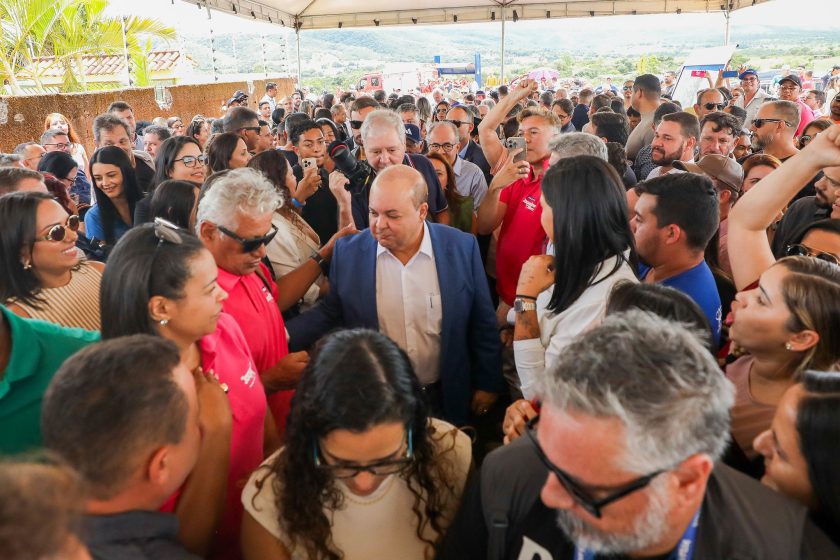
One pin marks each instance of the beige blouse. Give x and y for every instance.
(379, 526)
(76, 304)
(291, 247)
(749, 417)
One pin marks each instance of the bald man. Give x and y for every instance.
(421, 284)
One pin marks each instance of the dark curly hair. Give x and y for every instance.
(356, 379)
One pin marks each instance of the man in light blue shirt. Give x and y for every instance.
(442, 138)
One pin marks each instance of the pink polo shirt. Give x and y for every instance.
(226, 353)
(253, 303)
(806, 116)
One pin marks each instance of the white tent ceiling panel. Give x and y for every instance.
(332, 14)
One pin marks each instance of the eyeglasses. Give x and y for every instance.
(356, 124)
(800, 250)
(251, 128)
(59, 145)
(441, 110)
(787, 88)
(758, 123)
(583, 498)
(456, 123)
(250, 245)
(751, 79)
(718, 106)
(191, 161)
(445, 147)
(58, 232)
(380, 468)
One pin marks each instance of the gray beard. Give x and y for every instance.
(649, 528)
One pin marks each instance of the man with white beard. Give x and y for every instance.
(622, 462)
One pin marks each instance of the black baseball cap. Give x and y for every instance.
(791, 78)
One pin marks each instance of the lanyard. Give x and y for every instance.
(684, 551)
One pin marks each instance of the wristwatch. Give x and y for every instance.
(316, 256)
(520, 305)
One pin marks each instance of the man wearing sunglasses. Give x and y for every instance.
(246, 123)
(234, 223)
(708, 101)
(359, 110)
(622, 462)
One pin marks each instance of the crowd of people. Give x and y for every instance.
(522, 323)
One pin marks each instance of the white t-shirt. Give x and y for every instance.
(379, 526)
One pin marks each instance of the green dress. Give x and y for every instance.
(461, 216)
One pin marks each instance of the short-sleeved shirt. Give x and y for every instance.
(226, 353)
(469, 180)
(252, 301)
(321, 210)
(522, 234)
(699, 284)
(381, 525)
(38, 350)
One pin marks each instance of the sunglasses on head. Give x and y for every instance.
(58, 232)
(718, 106)
(251, 128)
(250, 245)
(356, 124)
(800, 250)
(456, 123)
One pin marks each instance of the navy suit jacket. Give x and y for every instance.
(470, 347)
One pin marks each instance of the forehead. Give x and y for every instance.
(442, 133)
(587, 447)
(104, 168)
(457, 112)
(363, 112)
(534, 121)
(712, 96)
(313, 134)
(646, 204)
(386, 137)
(189, 149)
(393, 195)
(115, 132)
(709, 128)
(765, 112)
(669, 128)
(50, 212)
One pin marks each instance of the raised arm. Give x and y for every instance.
(749, 219)
(490, 144)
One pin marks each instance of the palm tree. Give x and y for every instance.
(86, 30)
(27, 27)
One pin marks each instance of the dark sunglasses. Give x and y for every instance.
(380, 468)
(718, 106)
(356, 124)
(251, 128)
(456, 123)
(58, 232)
(800, 250)
(190, 161)
(627, 88)
(250, 245)
(168, 232)
(592, 505)
(758, 123)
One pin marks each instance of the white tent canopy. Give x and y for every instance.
(335, 14)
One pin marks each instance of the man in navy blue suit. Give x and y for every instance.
(421, 284)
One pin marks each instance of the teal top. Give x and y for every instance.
(38, 350)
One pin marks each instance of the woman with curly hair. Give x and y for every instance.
(365, 473)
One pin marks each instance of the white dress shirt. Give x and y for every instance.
(409, 307)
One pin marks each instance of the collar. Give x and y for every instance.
(228, 280)
(130, 525)
(463, 153)
(458, 166)
(425, 245)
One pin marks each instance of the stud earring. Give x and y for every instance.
(164, 322)
(27, 265)
(788, 346)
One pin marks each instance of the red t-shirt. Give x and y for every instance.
(521, 235)
(253, 303)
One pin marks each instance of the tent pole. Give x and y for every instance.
(726, 15)
(299, 72)
(503, 44)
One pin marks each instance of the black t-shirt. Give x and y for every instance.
(290, 156)
(144, 174)
(321, 210)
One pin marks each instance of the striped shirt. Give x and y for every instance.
(76, 304)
